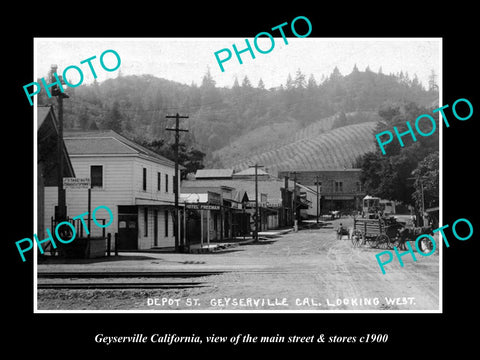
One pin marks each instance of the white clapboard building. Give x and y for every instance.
(135, 183)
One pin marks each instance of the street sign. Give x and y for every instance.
(76, 183)
(202, 207)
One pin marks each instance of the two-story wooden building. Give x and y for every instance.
(134, 182)
(340, 189)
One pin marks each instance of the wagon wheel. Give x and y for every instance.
(398, 243)
(357, 238)
(372, 241)
(383, 241)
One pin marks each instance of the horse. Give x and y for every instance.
(412, 233)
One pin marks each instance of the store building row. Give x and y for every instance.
(136, 184)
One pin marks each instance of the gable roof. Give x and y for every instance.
(270, 187)
(47, 139)
(108, 142)
(214, 173)
(251, 172)
(42, 114)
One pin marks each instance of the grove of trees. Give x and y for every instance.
(136, 106)
(409, 174)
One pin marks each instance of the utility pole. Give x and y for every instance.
(318, 196)
(255, 234)
(423, 202)
(295, 220)
(61, 213)
(422, 198)
(177, 130)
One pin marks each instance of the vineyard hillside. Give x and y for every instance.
(332, 149)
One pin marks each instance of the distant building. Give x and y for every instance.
(214, 174)
(134, 182)
(250, 174)
(340, 190)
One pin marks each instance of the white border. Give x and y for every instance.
(35, 256)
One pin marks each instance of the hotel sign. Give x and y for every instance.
(202, 207)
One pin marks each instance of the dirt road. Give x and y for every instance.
(305, 271)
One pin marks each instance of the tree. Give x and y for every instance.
(299, 82)
(192, 162)
(207, 81)
(235, 85)
(290, 84)
(83, 119)
(246, 82)
(210, 96)
(261, 85)
(113, 118)
(311, 84)
(335, 75)
(426, 183)
(189, 157)
(387, 176)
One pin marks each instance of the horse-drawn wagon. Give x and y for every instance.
(377, 233)
(386, 233)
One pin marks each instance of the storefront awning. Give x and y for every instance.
(152, 202)
(339, 197)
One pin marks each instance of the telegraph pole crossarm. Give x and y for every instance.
(177, 130)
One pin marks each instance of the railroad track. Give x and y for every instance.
(116, 279)
(125, 274)
(169, 279)
(120, 285)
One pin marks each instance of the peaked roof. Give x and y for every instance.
(250, 172)
(107, 142)
(42, 113)
(214, 173)
(47, 138)
(270, 187)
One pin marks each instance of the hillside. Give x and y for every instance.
(286, 144)
(333, 149)
(234, 125)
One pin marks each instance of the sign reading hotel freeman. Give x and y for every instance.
(203, 207)
(76, 183)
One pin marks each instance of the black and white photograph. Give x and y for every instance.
(215, 178)
(205, 174)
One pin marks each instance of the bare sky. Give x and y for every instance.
(186, 60)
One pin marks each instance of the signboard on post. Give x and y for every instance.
(76, 183)
(80, 183)
(251, 204)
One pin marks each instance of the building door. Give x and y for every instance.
(127, 228)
